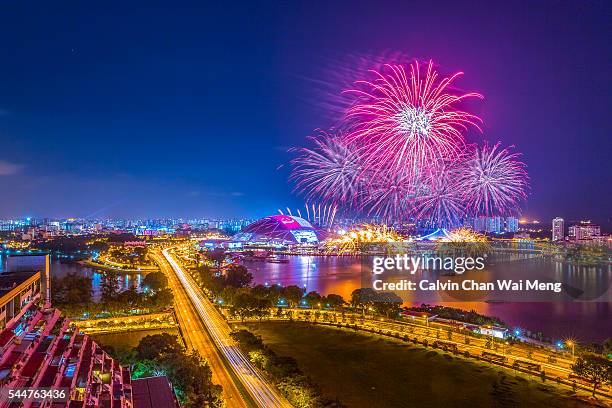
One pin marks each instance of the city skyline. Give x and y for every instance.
(87, 115)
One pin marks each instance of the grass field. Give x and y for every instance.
(365, 370)
(125, 341)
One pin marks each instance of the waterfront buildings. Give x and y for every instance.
(494, 225)
(512, 224)
(584, 230)
(558, 229)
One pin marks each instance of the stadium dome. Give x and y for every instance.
(279, 230)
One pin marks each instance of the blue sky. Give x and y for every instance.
(187, 109)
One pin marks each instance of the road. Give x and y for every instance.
(196, 337)
(261, 391)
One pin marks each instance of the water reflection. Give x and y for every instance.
(61, 269)
(585, 320)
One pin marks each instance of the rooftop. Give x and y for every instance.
(153, 392)
(10, 280)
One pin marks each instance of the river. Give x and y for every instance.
(586, 320)
(64, 266)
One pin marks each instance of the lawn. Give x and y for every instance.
(367, 371)
(123, 342)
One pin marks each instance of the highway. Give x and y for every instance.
(196, 337)
(261, 391)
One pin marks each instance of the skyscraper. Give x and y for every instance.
(512, 224)
(495, 224)
(558, 229)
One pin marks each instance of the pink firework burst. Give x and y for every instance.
(330, 171)
(406, 121)
(493, 181)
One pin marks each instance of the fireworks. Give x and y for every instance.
(493, 180)
(408, 121)
(441, 201)
(390, 196)
(320, 215)
(402, 154)
(464, 235)
(330, 171)
(353, 241)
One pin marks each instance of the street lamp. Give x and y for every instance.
(571, 344)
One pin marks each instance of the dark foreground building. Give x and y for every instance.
(153, 392)
(41, 349)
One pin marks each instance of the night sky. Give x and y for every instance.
(160, 110)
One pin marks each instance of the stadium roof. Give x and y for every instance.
(279, 229)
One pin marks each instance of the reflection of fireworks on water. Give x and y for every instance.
(330, 171)
(406, 121)
(351, 241)
(493, 180)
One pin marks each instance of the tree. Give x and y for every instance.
(387, 303)
(155, 346)
(162, 298)
(293, 295)
(244, 305)
(363, 298)
(216, 257)
(72, 289)
(129, 297)
(270, 293)
(155, 281)
(334, 301)
(313, 299)
(238, 276)
(190, 374)
(247, 340)
(109, 286)
(262, 308)
(594, 368)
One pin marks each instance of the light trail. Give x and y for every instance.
(264, 394)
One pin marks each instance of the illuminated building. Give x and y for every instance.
(512, 224)
(558, 229)
(494, 224)
(278, 230)
(584, 231)
(41, 349)
(480, 224)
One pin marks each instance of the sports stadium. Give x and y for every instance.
(278, 230)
